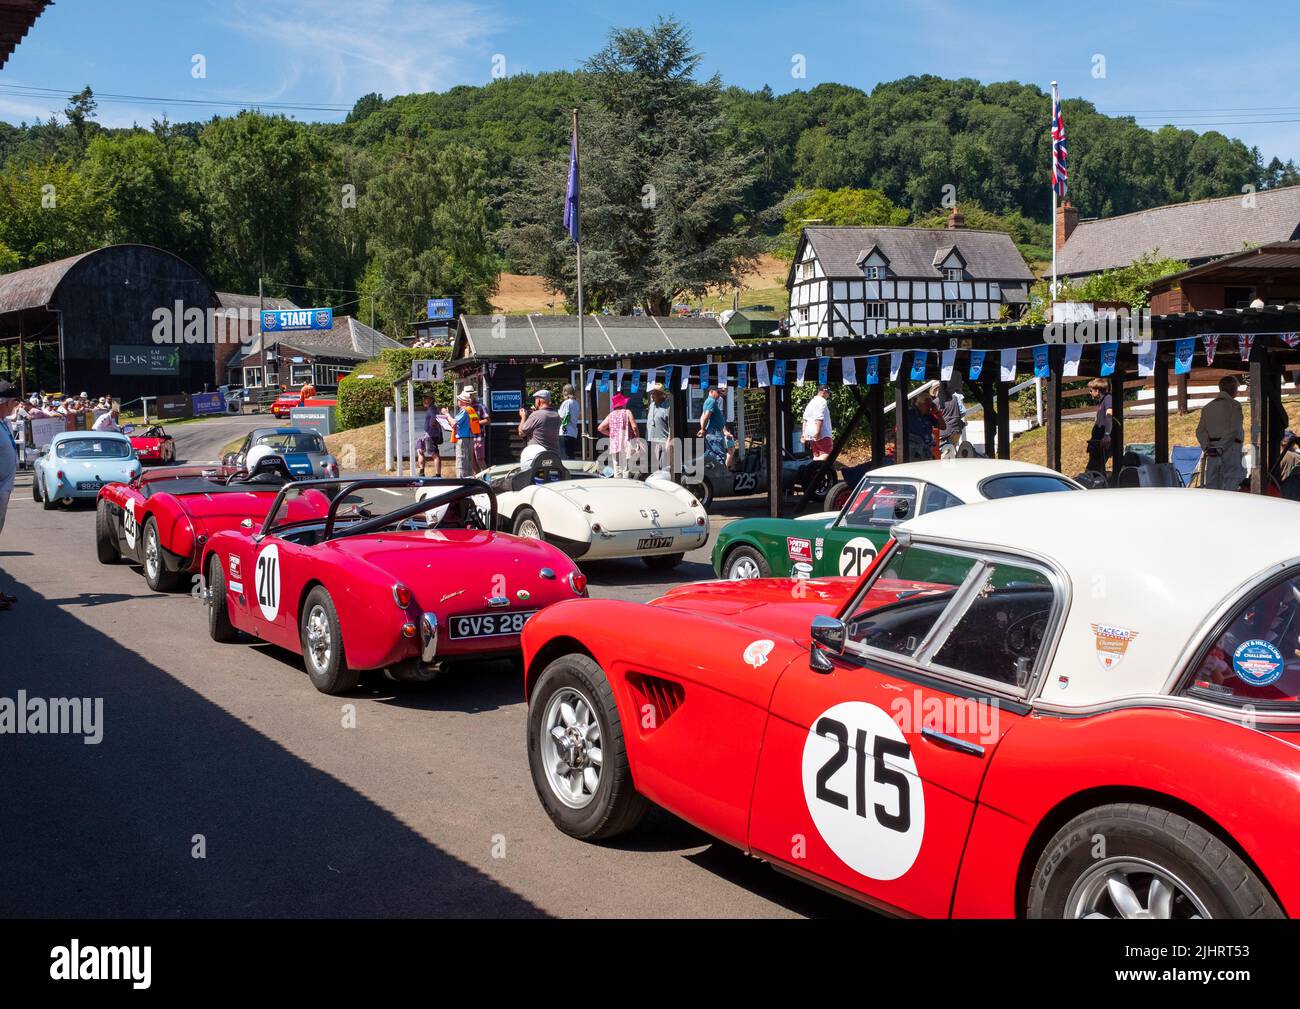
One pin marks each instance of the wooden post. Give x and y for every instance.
(775, 498)
(1052, 411)
(22, 360)
(990, 416)
(876, 400)
(1117, 428)
(1182, 395)
(1162, 407)
(1258, 423)
(1004, 419)
(900, 416)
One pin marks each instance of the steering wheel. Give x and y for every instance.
(1026, 633)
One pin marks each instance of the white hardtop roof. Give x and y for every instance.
(1159, 564)
(961, 477)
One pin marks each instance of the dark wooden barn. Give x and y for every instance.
(100, 313)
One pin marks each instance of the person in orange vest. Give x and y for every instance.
(465, 427)
(306, 393)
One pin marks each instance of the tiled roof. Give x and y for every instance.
(1201, 230)
(557, 335)
(350, 340)
(912, 252)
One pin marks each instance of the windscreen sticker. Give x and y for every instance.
(1257, 662)
(863, 791)
(1112, 644)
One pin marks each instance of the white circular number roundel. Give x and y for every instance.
(268, 581)
(128, 524)
(862, 789)
(856, 556)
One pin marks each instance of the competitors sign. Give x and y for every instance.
(276, 320)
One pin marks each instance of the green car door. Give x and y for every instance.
(862, 528)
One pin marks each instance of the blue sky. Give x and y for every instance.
(1193, 62)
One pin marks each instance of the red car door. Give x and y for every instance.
(870, 772)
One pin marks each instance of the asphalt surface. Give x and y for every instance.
(423, 807)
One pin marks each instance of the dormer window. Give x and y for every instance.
(873, 272)
(954, 273)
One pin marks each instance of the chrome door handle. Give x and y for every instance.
(952, 742)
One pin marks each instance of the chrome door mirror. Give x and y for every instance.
(828, 635)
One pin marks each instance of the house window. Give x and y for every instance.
(953, 273)
(253, 378)
(954, 311)
(806, 270)
(329, 374)
(875, 309)
(873, 272)
(300, 374)
(800, 315)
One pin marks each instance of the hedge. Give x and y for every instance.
(362, 400)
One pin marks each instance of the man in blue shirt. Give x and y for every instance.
(713, 423)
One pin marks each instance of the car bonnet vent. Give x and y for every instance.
(657, 699)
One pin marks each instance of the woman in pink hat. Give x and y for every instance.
(621, 429)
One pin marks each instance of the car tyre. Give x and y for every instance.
(219, 626)
(36, 485)
(527, 524)
(322, 645)
(47, 503)
(105, 539)
(745, 562)
(703, 493)
(1155, 863)
(837, 497)
(155, 571)
(663, 562)
(573, 695)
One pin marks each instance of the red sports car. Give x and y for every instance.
(284, 403)
(1059, 709)
(162, 519)
(154, 445)
(405, 591)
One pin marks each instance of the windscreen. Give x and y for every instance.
(94, 448)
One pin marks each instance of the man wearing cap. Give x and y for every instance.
(480, 411)
(539, 429)
(8, 463)
(713, 423)
(659, 428)
(465, 426)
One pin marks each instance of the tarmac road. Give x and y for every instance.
(405, 802)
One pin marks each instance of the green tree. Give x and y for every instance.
(663, 211)
(47, 212)
(80, 111)
(1130, 285)
(430, 231)
(824, 207)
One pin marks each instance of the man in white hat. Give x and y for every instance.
(539, 429)
(465, 427)
(8, 463)
(480, 445)
(659, 428)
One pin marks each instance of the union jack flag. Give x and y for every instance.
(1060, 158)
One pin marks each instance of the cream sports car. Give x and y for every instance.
(595, 517)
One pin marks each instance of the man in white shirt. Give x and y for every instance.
(817, 433)
(107, 421)
(8, 463)
(1221, 433)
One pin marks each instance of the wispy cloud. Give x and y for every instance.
(389, 46)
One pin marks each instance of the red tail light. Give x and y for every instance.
(401, 596)
(578, 582)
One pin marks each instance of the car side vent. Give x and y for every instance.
(657, 700)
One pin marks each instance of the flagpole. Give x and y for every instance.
(582, 371)
(1051, 134)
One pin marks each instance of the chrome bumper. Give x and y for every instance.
(428, 636)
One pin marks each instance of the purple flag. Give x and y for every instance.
(571, 195)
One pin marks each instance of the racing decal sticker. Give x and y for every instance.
(129, 528)
(756, 652)
(267, 581)
(863, 791)
(819, 548)
(856, 556)
(799, 549)
(236, 572)
(1112, 643)
(801, 569)
(1257, 662)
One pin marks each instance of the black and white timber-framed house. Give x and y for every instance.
(851, 281)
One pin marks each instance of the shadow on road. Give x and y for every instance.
(108, 830)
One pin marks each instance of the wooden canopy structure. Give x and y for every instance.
(16, 19)
(1124, 356)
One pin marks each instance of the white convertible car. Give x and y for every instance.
(594, 517)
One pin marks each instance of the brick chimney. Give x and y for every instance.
(1066, 220)
(955, 219)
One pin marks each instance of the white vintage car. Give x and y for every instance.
(595, 517)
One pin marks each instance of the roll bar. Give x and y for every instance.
(457, 489)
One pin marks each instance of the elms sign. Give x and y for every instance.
(275, 320)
